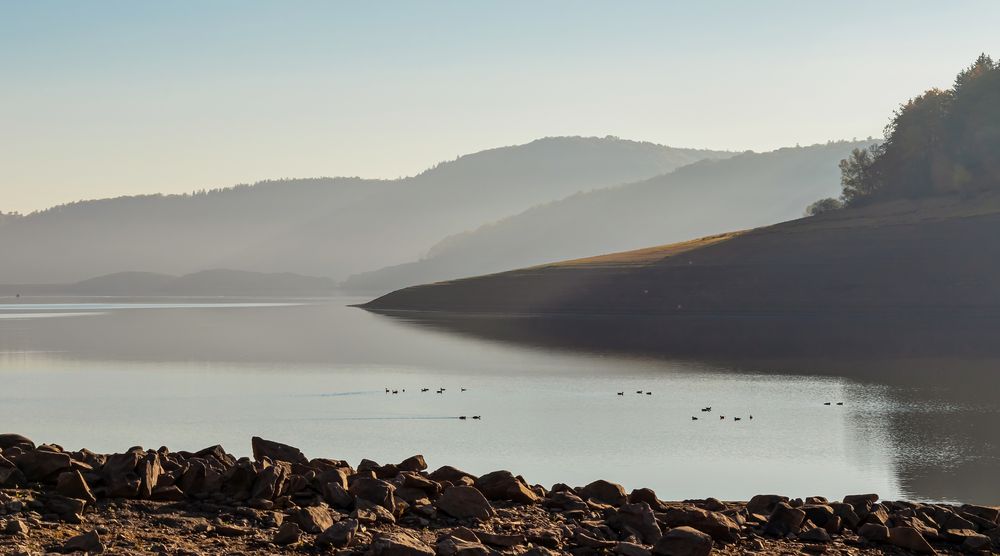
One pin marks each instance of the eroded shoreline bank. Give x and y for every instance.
(281, 502)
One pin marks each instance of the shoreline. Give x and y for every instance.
(281, 502)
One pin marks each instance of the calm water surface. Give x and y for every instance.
(189, 374)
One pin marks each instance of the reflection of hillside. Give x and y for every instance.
(942, 429)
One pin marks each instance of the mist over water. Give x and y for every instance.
(109, 374)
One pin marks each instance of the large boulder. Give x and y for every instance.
(910, 539)
(398, 544)
(43, 465)
(683, 541)
(719, 526)
(638, 517)
(503, 485)
(88, 543)
(464, 502)
(764, 504)
(376, 491)
(276, 451)
(873, 532)
(314, 519)
(9, 440)
(72, 485)
(605, 492)
(784, 520)
(338, 535)
(413, 463)
(452, 475)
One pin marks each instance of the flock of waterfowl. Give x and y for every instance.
(438, 391)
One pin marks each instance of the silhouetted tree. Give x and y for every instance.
(941, 142)
(824, 205)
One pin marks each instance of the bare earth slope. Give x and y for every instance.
(937, 255)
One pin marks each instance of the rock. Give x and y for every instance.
(398, 544)
(504, 541)
(631, 549)
(288, 533)
(169, 493)
(376, 491)
(640, 518)
(503, 485)
(544, 536)
(846, 513)
(149, 471)
(583, 540)
(874, 532)
(227, 530)
(10, 475)
(68, 509)
(816, 534)
(910, 539)
(9, 440)
(683, 541)
(566, 501)
(605, 492)
(976, 543)
(784, 520)
(120, 478)
(451, 474)
(451, 546)
(645, 495)
(270, 481)
(338, 535)
(337, 496)
(413, 463)
(371, 512)
(764, 504)
(991, 514)
(823, 516)
(16, 527)
(72, 485)
(464, 502)
(42, 465)
(314, 519)
(276, 451)
(718, 526)
(89, 543)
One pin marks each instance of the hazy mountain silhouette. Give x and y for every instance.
(744, 191)
(220, 282)
(323, 227)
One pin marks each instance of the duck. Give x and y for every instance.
(737, 418)
(693, 418)
(621, 393)
(424, 389)
(709, 408)
(826, 403)
(721, 417)
(649, 393)
(463, 389)
(638, 391)
(840, 403)
(477, 417)
(462, 417)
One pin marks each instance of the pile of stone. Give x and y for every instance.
(281, 501)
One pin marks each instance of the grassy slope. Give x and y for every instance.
(908, 256)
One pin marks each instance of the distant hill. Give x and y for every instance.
(220, 282)
(330, 227)
(927, 257)
(745, 191)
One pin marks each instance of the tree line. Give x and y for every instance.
(943, 142)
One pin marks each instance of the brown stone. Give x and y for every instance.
(42, 465)
(505, 541)
(314, 519)
(764, 504)
(503, 485)
(910, 539)
(288, 533)
(398, 544)
(9, 440)
(276, 451)
(683, 541)
(784, 520)
(719, 526)
(413, 463)
(338, 535)
(72, 485)
(89, 543)
(638, 517)
(376, 491)
(873, 532)
(464, 502)
(605, 492)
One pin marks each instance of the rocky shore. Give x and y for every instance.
(281, 502)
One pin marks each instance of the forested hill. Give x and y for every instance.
(745, 191)
(328, 227)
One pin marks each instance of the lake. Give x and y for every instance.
(108, 374)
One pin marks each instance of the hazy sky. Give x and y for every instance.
(120, 97)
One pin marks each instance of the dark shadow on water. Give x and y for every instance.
(941, 377)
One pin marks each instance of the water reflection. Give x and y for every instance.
(314, 374)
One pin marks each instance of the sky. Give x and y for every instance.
(109, 98)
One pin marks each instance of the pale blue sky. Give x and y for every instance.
(108, 98)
